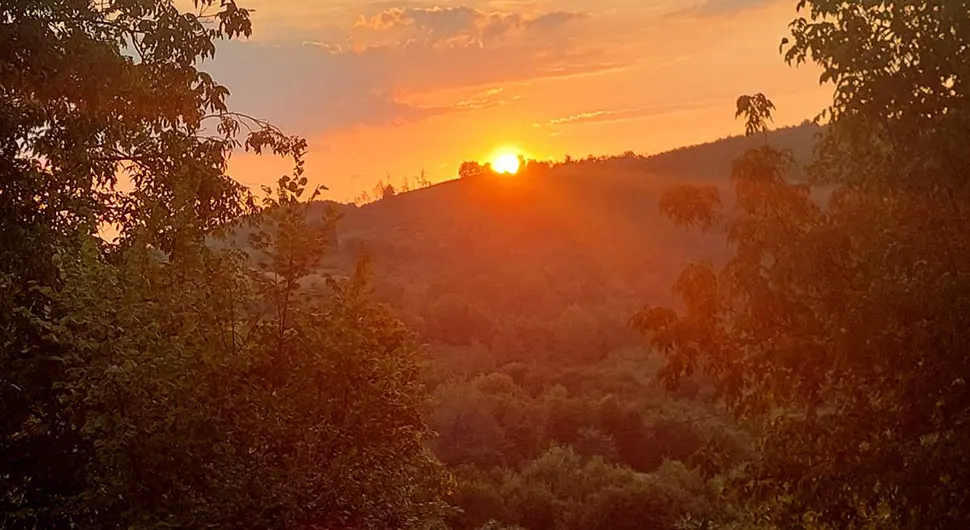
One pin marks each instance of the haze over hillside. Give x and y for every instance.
(585, 233)
(693, 340)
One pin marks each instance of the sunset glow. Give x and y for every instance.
(369, 82)
(484, 264)
(506, 163)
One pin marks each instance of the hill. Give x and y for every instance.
(523, 287)
(473, 259)
(545, 403)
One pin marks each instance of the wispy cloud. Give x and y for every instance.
(462, 23)
(483, 100)
(711, 8)
(380, 69)
(447, 20)
(592, 75)
(554, 19)
(617, 115)
(321, 87)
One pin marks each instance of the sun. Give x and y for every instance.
(506, 163)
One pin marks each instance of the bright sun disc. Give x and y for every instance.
(507, 163)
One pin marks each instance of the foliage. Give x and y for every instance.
(470, 169)
(153, 382)
(757, 111)
(559, 489)
(493, 427)
(385, 189)
(839, 325)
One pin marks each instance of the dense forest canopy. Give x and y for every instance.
(152, 382)
(477, 354)
(842, 327)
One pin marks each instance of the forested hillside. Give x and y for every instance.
(762, 333)
(584, 237)
(545, 402)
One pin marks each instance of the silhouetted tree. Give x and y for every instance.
(152, 381)
(470, 169)
(843, 327)
(384, 189)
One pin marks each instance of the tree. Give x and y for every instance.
(384, 190)
(470, 169)
(559, 489)
(594, 442)
(839, 326)
(453, 320)
(152, 381)
(578, 335)
(76, 114)
(422, 180)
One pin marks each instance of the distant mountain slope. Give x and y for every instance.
(502, 252)
(712, 159)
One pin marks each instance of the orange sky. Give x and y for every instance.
(394, 87)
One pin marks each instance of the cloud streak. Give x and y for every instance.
(628, 114)
(554, 19)
(457, 22)
(317, 88)
(372, 72)
(716, 8)
(438, 19)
